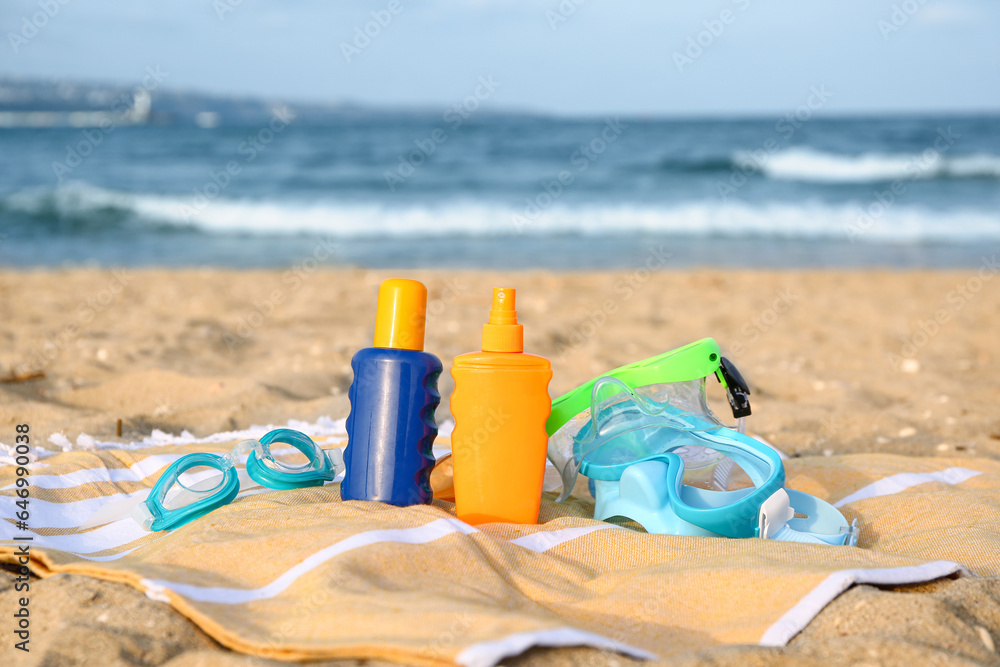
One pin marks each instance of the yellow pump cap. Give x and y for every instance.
(402, 310)
(502, 333)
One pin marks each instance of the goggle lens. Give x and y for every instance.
(193, 484)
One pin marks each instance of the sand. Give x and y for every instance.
(838, 362)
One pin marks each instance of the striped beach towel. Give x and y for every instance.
(299, 574)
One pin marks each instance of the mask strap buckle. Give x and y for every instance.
(775, 513)
(737, 390)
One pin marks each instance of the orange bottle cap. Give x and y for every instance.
(402, 311)
(502, 333)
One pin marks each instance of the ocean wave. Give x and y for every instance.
(82, 208)
(695, 165)
(803, 164)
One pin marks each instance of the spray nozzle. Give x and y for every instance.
(502, 333)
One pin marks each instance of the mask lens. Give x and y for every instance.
(688, 397)
(706, 468)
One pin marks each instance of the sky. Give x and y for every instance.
(568, 57)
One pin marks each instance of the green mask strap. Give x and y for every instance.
(692, 362)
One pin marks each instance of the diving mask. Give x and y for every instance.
(656, 454)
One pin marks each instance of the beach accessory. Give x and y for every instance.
(196, 484)
(680, 372)
(656, 454)
(393, 396)
(690, 363)
(500, 405)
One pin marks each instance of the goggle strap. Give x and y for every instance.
(115, 510)
(246, 481)
(143, 516)
(336, 458)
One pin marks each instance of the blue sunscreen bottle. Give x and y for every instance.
(393, 396)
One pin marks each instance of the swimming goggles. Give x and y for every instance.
(656, 454)
(196, 484)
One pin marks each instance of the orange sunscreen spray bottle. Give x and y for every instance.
(500, 405)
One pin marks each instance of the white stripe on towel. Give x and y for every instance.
(489, 653)
(135, 473)
(545, 540)
(806, 609)
(906, 480)
(222, 595)
(45, 514)
(104, 559)
(125, 531)
(107, 537)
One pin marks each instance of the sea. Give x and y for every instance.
(506, 191)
